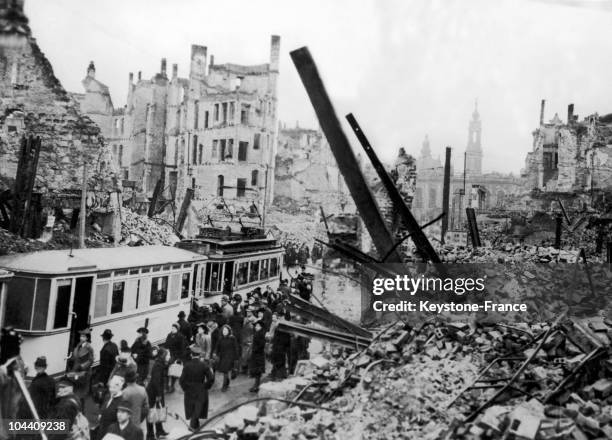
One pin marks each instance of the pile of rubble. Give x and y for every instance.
(443, 381)
(511, 253)
(138, 229)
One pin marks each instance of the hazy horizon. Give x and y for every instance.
(403, 68)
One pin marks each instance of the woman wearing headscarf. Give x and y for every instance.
(82, 360)
(227, 354)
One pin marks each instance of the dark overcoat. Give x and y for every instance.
(257, 362)
(196, 380)
(227, 353)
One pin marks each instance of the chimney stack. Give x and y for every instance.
(197, 68)
(163, 67)
(542, 104)
(274, 53)
(131, 77)
(570, 114)
(139, 75)
(174, 71)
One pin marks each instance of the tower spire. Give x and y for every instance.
(473, 164)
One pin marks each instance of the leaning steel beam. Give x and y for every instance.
(341, 148)
(312, 312)
(337, 337)
(418, 237)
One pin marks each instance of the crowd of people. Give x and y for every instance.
(235, 336)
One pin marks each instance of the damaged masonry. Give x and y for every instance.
(267, 241)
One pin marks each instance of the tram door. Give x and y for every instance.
(228, 277)
(80, 308)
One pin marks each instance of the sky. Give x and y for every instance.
(404, 68)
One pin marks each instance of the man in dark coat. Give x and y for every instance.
(184, 327)
(266, 317)
(124, 427)
(42, 390)
(196, 380)
(67, 406)
(108, 409)
(280, 349)
(108, 357)
(141, 352)
(257, 362)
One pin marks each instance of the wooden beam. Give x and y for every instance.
(345, 157)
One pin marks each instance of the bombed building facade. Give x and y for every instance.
(34, 103)
(571, 158)
(307, 175)
(468, 188)
(210, 136)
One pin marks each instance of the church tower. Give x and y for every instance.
(473, 156)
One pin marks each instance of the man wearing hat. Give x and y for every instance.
(42, 390)
(227, 311)
(257, 361)
(141, 352)
(125, 427)
(196, 380)
(108, 357)
(184, 327)
(68, 405)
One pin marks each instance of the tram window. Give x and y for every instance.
(101, 300)
(207, 278)
(117, 298)
(185, 285)
(263, 270)
(19, 303)
(254, 271)
(159, 290)
(146, 269)
(104, 275)
(273, 267)
(241, 275)
(176, 266)
(167, 267)
(134, 271)
(131, 295)
(215, 277)
(120, 272)
(41, 304)
(62, 303)
(156, 268)
(175, 285)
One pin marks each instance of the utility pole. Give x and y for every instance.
(446, 193)
(82, 213)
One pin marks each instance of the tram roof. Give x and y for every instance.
(96, 259)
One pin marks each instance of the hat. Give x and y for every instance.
(200, 324)
(181, 314)
(66, 381)
(107, 334)
(225, 298)
(195, 349)
(122, 360)
(124, 405)
(143, 330)
(176, 326)
(41, 362)
(130, 376)
(86, 331)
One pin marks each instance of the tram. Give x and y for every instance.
(237, 262)
(54, 294)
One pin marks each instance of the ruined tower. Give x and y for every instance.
(473, 152)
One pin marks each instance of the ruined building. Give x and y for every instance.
(33, 102)
(482, 191)
(307, 175)
(213, 132)
(572, 157)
